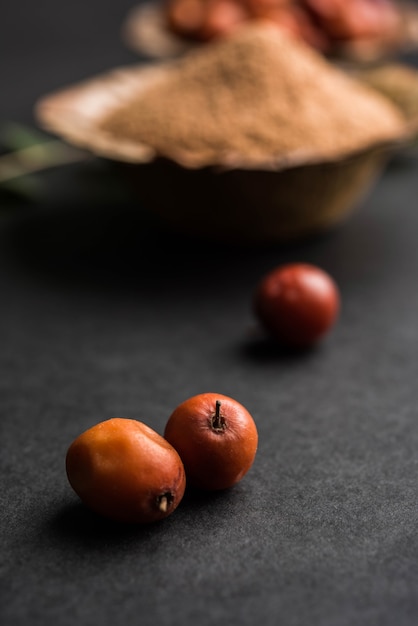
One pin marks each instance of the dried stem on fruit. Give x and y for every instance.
(164, 501)
(218, 421)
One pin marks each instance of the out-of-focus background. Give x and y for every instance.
(47, 45)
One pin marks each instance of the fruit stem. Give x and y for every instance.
(218, 422)
(164, 501)
(163, 504)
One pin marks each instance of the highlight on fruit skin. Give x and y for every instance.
(216, 438)
(125, 471)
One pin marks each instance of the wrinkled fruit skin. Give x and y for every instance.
(125, 471)
(297, 304)
(214, 458)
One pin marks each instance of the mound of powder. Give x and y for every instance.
(257, 98)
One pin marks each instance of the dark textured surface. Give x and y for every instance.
(104, 313)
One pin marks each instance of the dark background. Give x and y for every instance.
(104, 312)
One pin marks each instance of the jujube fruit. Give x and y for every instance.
(216, 438)
(297, 304)
(125, 471)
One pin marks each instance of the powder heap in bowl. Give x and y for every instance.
(258, 99)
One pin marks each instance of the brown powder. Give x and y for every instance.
(256, 99)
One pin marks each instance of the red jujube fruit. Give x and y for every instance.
(216, 438)
(125, 471)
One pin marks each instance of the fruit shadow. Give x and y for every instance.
(261, 348)
(74, 525)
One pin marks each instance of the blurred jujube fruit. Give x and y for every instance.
(297, 304)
